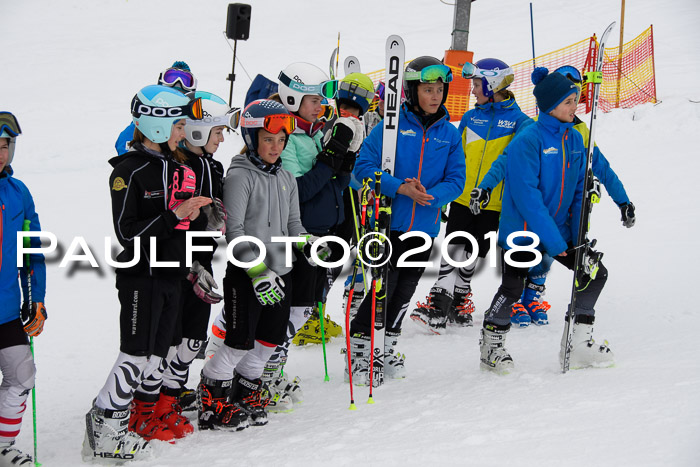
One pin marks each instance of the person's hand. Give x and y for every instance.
(416, 191)
(628, 217)
(216, 216)
(203, 284)
(190, 207)
(33, 321)
(479, 199)
(323, 252)
(267, 285)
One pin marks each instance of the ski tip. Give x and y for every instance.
(352, 406)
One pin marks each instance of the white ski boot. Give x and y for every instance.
(108, 439)
(494, 356)
(393, 361)
(360, 352)
(585, 352)
(11, 457)
(278, 399)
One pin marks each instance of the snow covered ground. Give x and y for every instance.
(69, 71)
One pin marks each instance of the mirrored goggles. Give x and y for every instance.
(430, 74)
(173, 76)
(327, 89)
(469, 71)
(193, 110)
(272, 123)
(570, 72)
(380, 91)
(9, 124)
(230, 119)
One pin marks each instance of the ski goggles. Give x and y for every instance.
(230, 119)
(380, 91)
(9, 124)
(193, 110)
(570, 72)
(470, 71)
(327, 89)
(172, 76)
(430, 74)
(272, 123)
(353, 88)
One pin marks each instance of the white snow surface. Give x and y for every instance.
(69, 71)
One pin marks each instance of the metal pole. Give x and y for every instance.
(532, 35)
(460, 25)
(619, 55)
(232, 76)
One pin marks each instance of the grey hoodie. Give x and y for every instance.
(261, 205)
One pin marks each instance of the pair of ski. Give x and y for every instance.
(379, 251)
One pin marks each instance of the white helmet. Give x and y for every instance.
(298, 80)
(215, 112)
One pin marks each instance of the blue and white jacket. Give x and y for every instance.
(16, 206)
(545, 173)
(433, 155)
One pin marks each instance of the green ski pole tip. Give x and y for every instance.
(326, 378)
(352, 406)
(370, 400)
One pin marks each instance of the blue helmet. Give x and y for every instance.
(264, 113)
(156, 108)
(500, 79)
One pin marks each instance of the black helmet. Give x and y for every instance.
(412, 76)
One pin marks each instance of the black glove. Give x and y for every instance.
(348, 163)
(216, 215)
(337, 140)
(628, 218)
(334, 161)
(479, 199)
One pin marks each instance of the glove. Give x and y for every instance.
(594, 190)
(337, 141)
(628, 218)
(216, 216)
(268, 286)
(479, 199)
(348, 163)
(33, 322)
(444, 217)
(322, 252)
(203, 284)
(182, 187)
(358, 133)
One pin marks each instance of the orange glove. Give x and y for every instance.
(34, 321)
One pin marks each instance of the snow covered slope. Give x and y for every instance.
(69, 72)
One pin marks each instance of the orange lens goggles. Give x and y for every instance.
(272, 123)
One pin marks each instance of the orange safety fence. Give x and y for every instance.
(633, 84)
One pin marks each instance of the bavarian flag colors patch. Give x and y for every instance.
(118, 184)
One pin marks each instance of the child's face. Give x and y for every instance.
(430, 96)
(270, 145)
(4, 152)
(177, 134)
(478, 92)
(216, 137)
(310, 108)
(566, 109)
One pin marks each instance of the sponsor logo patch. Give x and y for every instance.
(118, 184)
(408, 132)
(550, 151)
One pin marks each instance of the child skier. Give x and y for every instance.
(17, 320)
(257, 298)
(545, 173)
(486, 130)
(153, 205)
(429, 173)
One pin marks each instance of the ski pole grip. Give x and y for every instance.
(25, 228)
(378, 184)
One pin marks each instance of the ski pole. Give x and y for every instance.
(321, 310)
(377, 195)
(27, 244)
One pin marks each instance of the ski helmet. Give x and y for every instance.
(215, 112)
(425, 70)
(178, 76)
(495, 74)
(269, 115)
(302, 79)
(575, 76)
(9, 128)
(357, 88)
(156, 108)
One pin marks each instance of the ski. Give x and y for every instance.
(587, 259)
(351, 65)
(331, 71)
(394, 80)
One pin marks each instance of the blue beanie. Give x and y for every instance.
(551, 88)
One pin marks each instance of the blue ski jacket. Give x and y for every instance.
(124, 138)
(545, 173)
(17, 205)
(600, 166)
(433, 155)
